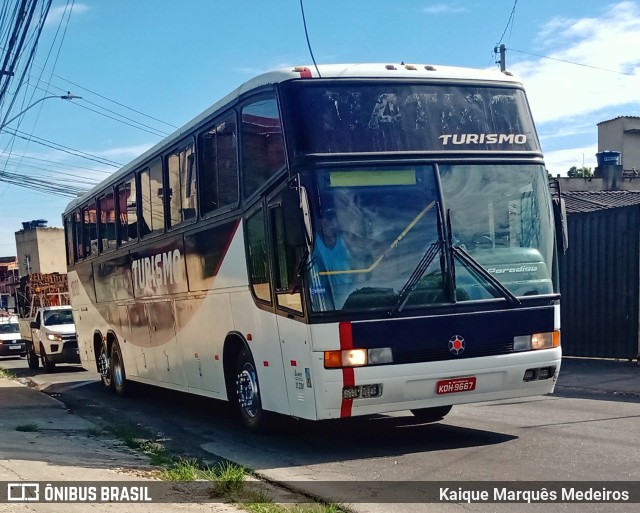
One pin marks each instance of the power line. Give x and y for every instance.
(78, 86)
(115, 115)
(574, 63)
(64, 149)
(509, 21)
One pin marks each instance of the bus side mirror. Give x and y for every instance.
(294, 226)
(560, 221)
(559, 216)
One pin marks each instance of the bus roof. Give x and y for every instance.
(326, 71)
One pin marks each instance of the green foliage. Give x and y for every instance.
(28, 428)
(580, 172)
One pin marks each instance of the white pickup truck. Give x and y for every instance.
(50, 337)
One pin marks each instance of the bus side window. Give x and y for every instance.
(284, 263)
(258, 256)
(262, 144)
(218, 165)
(181, 194)
(69, 233)
(127, 211)
(90, 230)
(107, 222)
(77, 235)
(152, 205)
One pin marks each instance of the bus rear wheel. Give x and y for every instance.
(118, 374)
(104, 367)
(248, 393)
(431, 414)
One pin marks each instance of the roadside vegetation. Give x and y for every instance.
(28, 428)
(227, 481)
(4, 373)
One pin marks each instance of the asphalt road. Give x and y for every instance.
(546, 438)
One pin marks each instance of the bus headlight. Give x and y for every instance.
(357, 357)
(536, 341)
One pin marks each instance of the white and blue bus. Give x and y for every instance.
(332, 242)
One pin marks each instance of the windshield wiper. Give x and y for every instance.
(433, 250)
(472, 264)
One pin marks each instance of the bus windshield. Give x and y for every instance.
(379, 236)
(376, 117)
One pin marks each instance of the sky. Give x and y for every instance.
(145, 67)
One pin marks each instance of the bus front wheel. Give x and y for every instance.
(248, 393)
(431, 414)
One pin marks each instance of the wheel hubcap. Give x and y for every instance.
(247, 388)
(103, 365)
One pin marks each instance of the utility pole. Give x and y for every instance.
(503, 56)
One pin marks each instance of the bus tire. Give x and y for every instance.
(248, 393)
(32, 358)
(104, 367)
(47, 364)
(431, 414)
(118, 375)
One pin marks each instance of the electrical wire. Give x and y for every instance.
(509, 21)
(306, 33)
(574, 63)
(64, 149)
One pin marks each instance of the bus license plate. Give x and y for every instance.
(449, 386)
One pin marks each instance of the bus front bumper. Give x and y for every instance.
(426, 385)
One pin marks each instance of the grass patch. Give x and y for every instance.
(228, 481)
(95, 431)
(28, 428)
(134, 439)
(225, 480)
(4, 373)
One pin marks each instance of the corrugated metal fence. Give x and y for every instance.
(600, 284)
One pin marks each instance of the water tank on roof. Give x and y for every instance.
(608, 158)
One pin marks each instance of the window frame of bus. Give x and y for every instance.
(130, 240)
(168, 196)
(269, 95)
(206, 213)
(151, 166)
(113, 242)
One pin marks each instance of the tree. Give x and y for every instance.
(580, 172)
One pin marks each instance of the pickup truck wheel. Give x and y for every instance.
(46, 363)
(118, 374)
(32, 358)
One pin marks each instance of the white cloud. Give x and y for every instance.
(558, 91)
(558, 162)
(443, 8)
(55, 15)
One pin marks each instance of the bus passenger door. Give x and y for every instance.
(294, 333)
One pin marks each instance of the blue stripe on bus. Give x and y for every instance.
(427, 339)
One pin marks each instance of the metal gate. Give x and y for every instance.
(599, 284)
